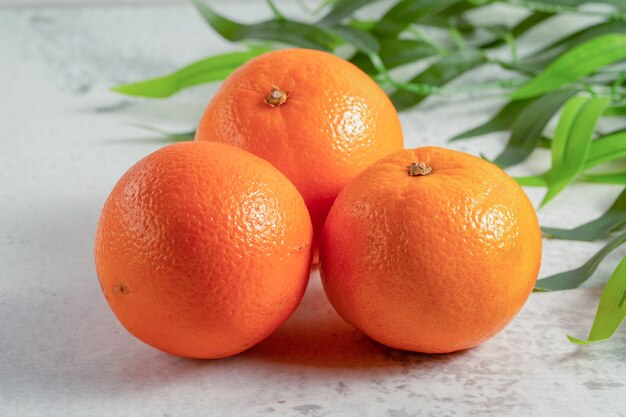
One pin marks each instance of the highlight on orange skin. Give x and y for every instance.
(430, 250)
(203, 249)
(316, 117)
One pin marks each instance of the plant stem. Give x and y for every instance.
(510, 40)
(430, 89)
(615, 96)
(422, 37)
(457, 38)
(557, 8)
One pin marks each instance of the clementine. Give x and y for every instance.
(430, 250)
(316, 117)
(203, 249)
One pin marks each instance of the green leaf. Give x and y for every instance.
(529, 125)
(616, 110)
(530, 22)
(522, 27)
(619, 4)
(574, 64)
(342, 9)
(607, 148)
(364, 25)
(573, 278)
(612, 178)
(503, 120)
(215, 68)
(542, 57)
(571, 3)
(572, 141)
(611, 310)
(406, 12)
(531, 181)
(545, 142)
(442, 22)
(599, 228)
(438, 74)
(394, 53)
(450, 16)
(283, 31)
(362, 41)
(277, 14)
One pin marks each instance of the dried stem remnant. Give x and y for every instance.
(419, 168)
(276, 97)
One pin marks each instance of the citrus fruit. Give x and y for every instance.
(203, 249)
(430, 250)
(316, 117)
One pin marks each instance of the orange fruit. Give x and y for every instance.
(316, 117)
(430, 250)
(203, 249)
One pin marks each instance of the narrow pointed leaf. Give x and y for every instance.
(365, 25)
(575, 3)
(395, 52)
(343, 8)
(575, 277)
(215, 68)
(599, 228)
(616, 111)
(283, 31)
(531, 181)
(529, 125)
(522, 27)
(613, 178)
(440, 21)
(438, 74)
(503, 120)
(542, 57)
(580, 111)
(530, 22)
(607, 148)
(581, 60)
(454, 10)
(545, 142)
(362, 41)
(277, 14)
(611, 310)
(452, 14)
(572, 141)
(405, 12)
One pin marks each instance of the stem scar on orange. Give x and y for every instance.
(316, 117)
(430, 250)
(203, 249)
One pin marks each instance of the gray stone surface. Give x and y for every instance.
(65, 140)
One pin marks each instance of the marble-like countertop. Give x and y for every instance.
(65, 140)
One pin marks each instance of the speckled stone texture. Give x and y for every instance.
(66, 140)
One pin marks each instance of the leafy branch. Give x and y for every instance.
(577, 80)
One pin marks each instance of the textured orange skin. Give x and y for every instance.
(335, 123)
(434, 263)
(203, 249)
